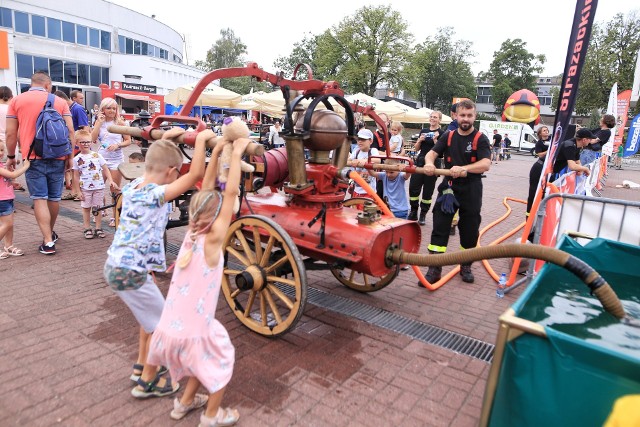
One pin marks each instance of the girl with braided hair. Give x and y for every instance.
(189, 340)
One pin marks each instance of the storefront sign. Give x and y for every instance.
(134, 87)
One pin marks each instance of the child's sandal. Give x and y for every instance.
(112, 222)
(224, 417)
(4, 255)
(13, 251)
(100, 233)
(88, 233)
(152, 389)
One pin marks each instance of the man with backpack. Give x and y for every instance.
(43, 126)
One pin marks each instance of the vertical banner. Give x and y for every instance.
(633, 140)
(612, 108)
(576, 53)
(623, 111)
(635, 89)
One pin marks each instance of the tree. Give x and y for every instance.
(364, 50)
(228, 51)
(303, 52)
(611, 58)
(513, 68)
(438, 71)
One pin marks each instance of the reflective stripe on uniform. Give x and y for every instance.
(414, 198)
(439, 249)
(426, 202)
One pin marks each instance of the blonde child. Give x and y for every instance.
(6, 205)
(188, 339)
(395, 141)
(89, 172)
(137, 248)
(359, 157)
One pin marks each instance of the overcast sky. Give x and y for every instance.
(269, 29)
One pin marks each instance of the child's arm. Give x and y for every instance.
(210, 175)
(106, 173)
(6, 173)
(76, 184)
(196, 169)
(231, 191)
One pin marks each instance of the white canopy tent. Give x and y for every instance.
(212, 96)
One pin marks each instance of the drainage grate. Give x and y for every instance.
(415, 329)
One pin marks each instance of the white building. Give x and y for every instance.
(82, 44)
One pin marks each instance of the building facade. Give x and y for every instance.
(84, 44)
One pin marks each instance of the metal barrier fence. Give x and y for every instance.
(586, 218)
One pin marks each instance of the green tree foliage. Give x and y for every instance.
(513, 68)
(364, 50)
(227, 52)
(438, 70)
(303, 52)
(611, 58)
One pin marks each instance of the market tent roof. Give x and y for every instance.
(274, 102)
(379, 106)
(213, 95)
(411, 115)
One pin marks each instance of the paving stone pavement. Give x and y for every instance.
(67, 343)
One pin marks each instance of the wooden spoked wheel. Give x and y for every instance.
(264, 280)
(358, 281)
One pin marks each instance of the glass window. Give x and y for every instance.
(105, 40)
(94, 38)
(122, 44)
(24, 64)
(83, 74)
(136, 47)
(40, 64)
(37, 26)
(22, 22)
(68, 32)
(105, 76)
(24, 87)
(144, 48)
(151, 50)
(129, 46)
(81, 32)
(94, 75)
(70, 72)
(53, 29)
(56, 70)
(5, 18)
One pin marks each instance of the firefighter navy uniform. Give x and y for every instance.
(459, 150)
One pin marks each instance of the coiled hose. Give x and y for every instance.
(598, 285)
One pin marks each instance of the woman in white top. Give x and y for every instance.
(275, 140)
(111, 144)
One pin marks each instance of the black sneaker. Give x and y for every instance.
(422, 220)
(413, 216)
(466, 274)
(54, 236)
(434, 274)
(48, 248)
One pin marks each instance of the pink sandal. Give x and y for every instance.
(12, 251)
(225, 417)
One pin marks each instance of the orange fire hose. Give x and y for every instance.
(485, 262)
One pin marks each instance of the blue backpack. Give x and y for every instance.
(52, 135)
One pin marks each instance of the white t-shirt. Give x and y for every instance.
(106, 138)
(396, 139)
(359, 154)
(89, 167)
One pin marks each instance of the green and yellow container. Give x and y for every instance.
(560, 359)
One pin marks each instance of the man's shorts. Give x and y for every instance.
(92, 198)
(45, 179)
(6, 207)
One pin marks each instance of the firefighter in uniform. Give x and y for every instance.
(467, 154)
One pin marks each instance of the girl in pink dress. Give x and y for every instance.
(189, 340)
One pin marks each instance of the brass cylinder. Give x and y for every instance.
(295, 161)
(341, 154)
(319, 157)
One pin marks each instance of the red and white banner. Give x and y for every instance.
(623, 111)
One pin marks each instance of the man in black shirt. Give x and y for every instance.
(467, 154)
(497, 141)
(507, 146)
(568, 157)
